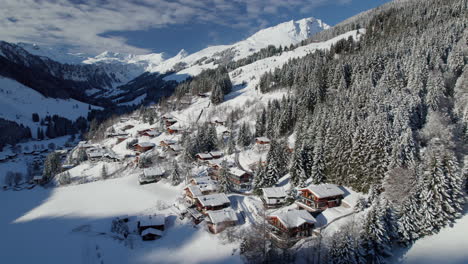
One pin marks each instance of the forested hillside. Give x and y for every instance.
(387, 114)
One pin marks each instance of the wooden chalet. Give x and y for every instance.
(219, 220)
(194, 191)
(167, 142)
(273, 197)
(174, 149)
(152, 174)
(239, 179)
(216, 154)
(151, 133)
(38, 179)
(286, 228)
(211, 202)
(315, 198)
(175, 129)
(143, 131)
(262, 141)
(143, 146)
(127, 127)
(203, 157)
(169, 122)
(120, 139)
(151, 227)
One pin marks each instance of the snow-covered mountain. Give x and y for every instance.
(284, 34)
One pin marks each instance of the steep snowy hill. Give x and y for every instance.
(18, 103)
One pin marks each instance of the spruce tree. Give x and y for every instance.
(175, 175)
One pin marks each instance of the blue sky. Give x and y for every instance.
(142, 26)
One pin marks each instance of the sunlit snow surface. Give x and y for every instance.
(72, 225)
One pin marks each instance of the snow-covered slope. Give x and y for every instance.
(18, 102)
(59, 54)
(284, 34)
(449, 246)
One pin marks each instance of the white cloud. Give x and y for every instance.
(83, 23)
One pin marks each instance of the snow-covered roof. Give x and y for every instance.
(209, 187)
(203, 180)
(294, 218)
(177, 126)
(237, 172)
(145, 144)
(153, 133)
(168, 141)
(204, 156)
(216, 153)
(221, 216)
(176, 147)
(324, 190)
(274, 192)
(152, 220)
(262, 139)
(152, 231)
(153, 171)
(195, 190)
(213, 199)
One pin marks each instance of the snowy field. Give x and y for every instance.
(72, 225)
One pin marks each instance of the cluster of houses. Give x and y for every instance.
(97, 153)
(206, 203)
(239, 180)
(286, 227)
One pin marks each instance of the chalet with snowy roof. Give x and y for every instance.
(152, 174)
(143, 131)
(151, 227)
(315, 198)
(194, 191)
(219, 220)
(84, 145)
(287, 227)
(121, 139)
(216, 154)
(273, 197)
(211, 202)
(167, 142)
(202, 157)
(151, 133)
(117, 134)
(217, 122)
(127, 127)
(169, 122)
(174, 149)
(239, 179)
(202, 180)
(38, 179)
(262, 141)
(176, 129)
(143, 146)
(95, 154)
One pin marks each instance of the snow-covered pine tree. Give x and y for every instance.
(296, 170)
(342, 249)
(223, 178)
(260, 124)
(52, 165)
(104, 173)
(409, 219)
(374, 240)
(175, 174)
